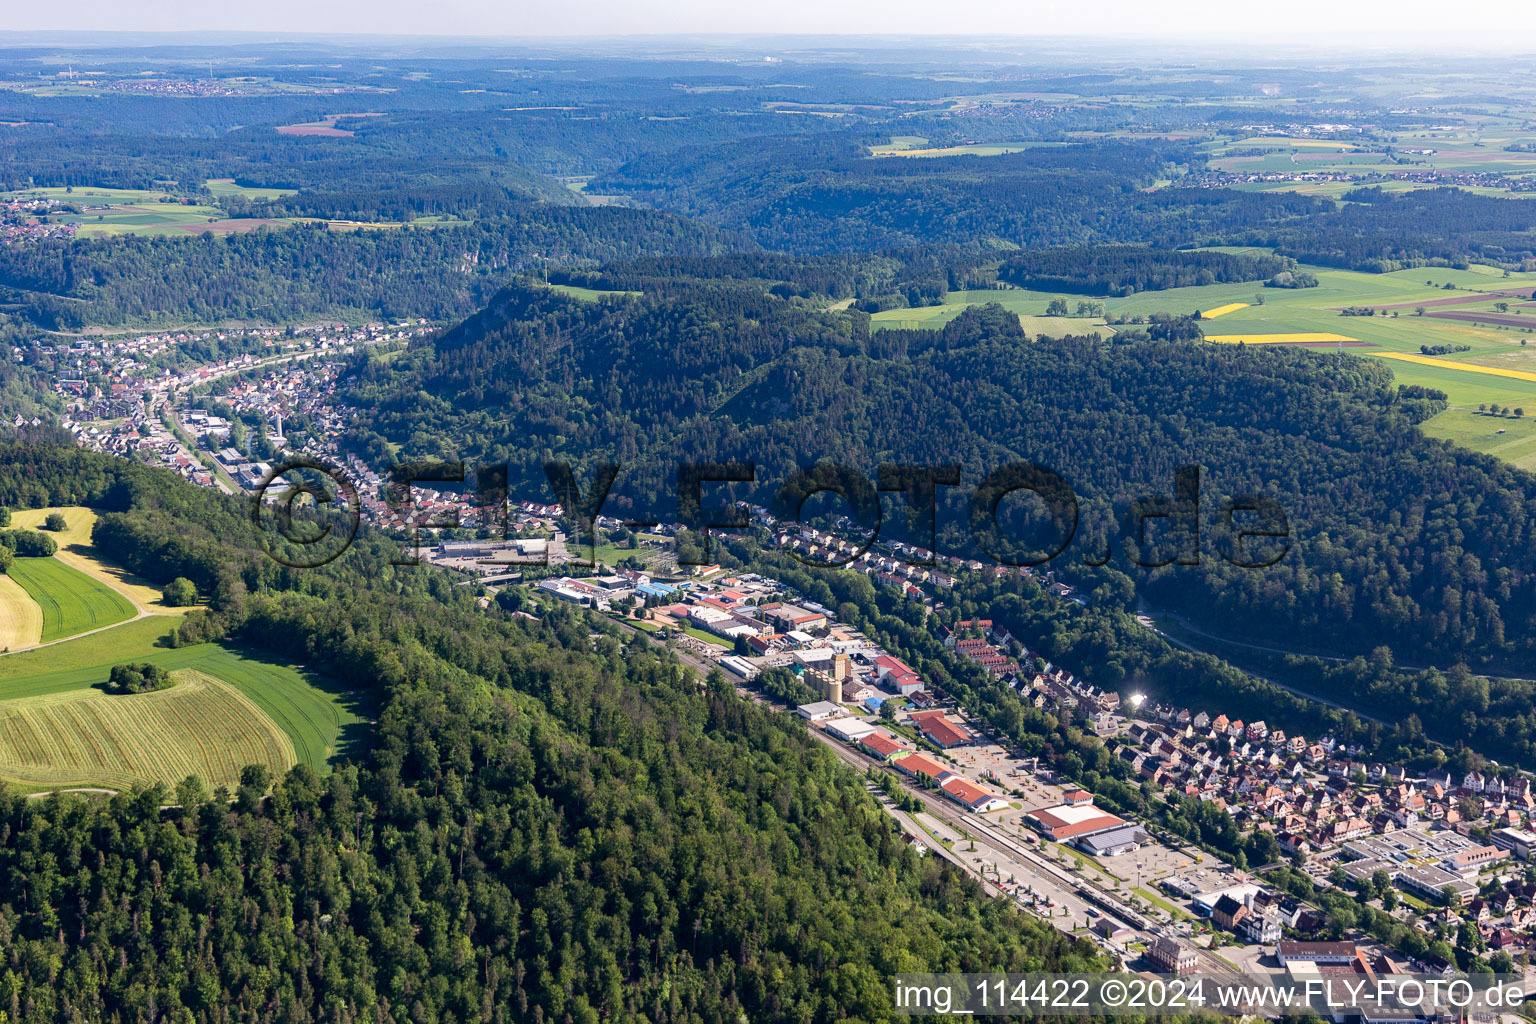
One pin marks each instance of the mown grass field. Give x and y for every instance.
(107, 211)
(71, 601)
(973, 149)
(73, 663)
(21, 618)
(200, 726)
(316, 720)
(933, 317)
(120, 211)
(75, 550)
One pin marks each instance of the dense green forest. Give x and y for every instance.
(289, 273)
(1127, 269)
(553, 824)
(827, 195)
(552, 819)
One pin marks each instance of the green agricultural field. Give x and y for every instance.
(87, 195)
(1506, 438)
(67, 665)
(318, 722)
(71, 601)
(199, 726)
(900, 143)
(974, 149)
(933, 317)
(21, 620)
(77, 552)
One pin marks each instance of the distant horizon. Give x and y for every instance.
(1364, 26)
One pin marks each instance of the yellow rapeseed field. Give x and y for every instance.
(1451, 364)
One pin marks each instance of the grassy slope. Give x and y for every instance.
(76, 551)
(320, 721)
(1517, 445)
(21, 619)
(201, 726)
(72, 602)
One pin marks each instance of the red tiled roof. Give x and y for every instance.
(917, 764)
(966, 793)
(941, 730)
(880, 743)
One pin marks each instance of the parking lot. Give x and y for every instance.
(1154, 862)
(1009, 773)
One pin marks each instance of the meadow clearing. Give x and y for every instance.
(227, 187)
(110, 211)
(1465, 148)
(118, 211)
(1511, 440)
(925, 317)
(76, 551)
(587, 294)
(230, 707)
(71, 602)
(969, 149)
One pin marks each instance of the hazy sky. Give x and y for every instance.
(1502, 24)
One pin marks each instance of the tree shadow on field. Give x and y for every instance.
(352, 738)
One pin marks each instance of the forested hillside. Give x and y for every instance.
(549, 827)
(825, 194)
(286, 273)
(1396, 538)
(1127, 269)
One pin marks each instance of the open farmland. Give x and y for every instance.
(1300, 338)
(1451, 364)
(1524, 323)
(227, 187)
(76, 551)
(107, 211)
(201, 726)
(970, 149)
(21, 618)
(70, 600)
(318, 722)
(76, 662)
